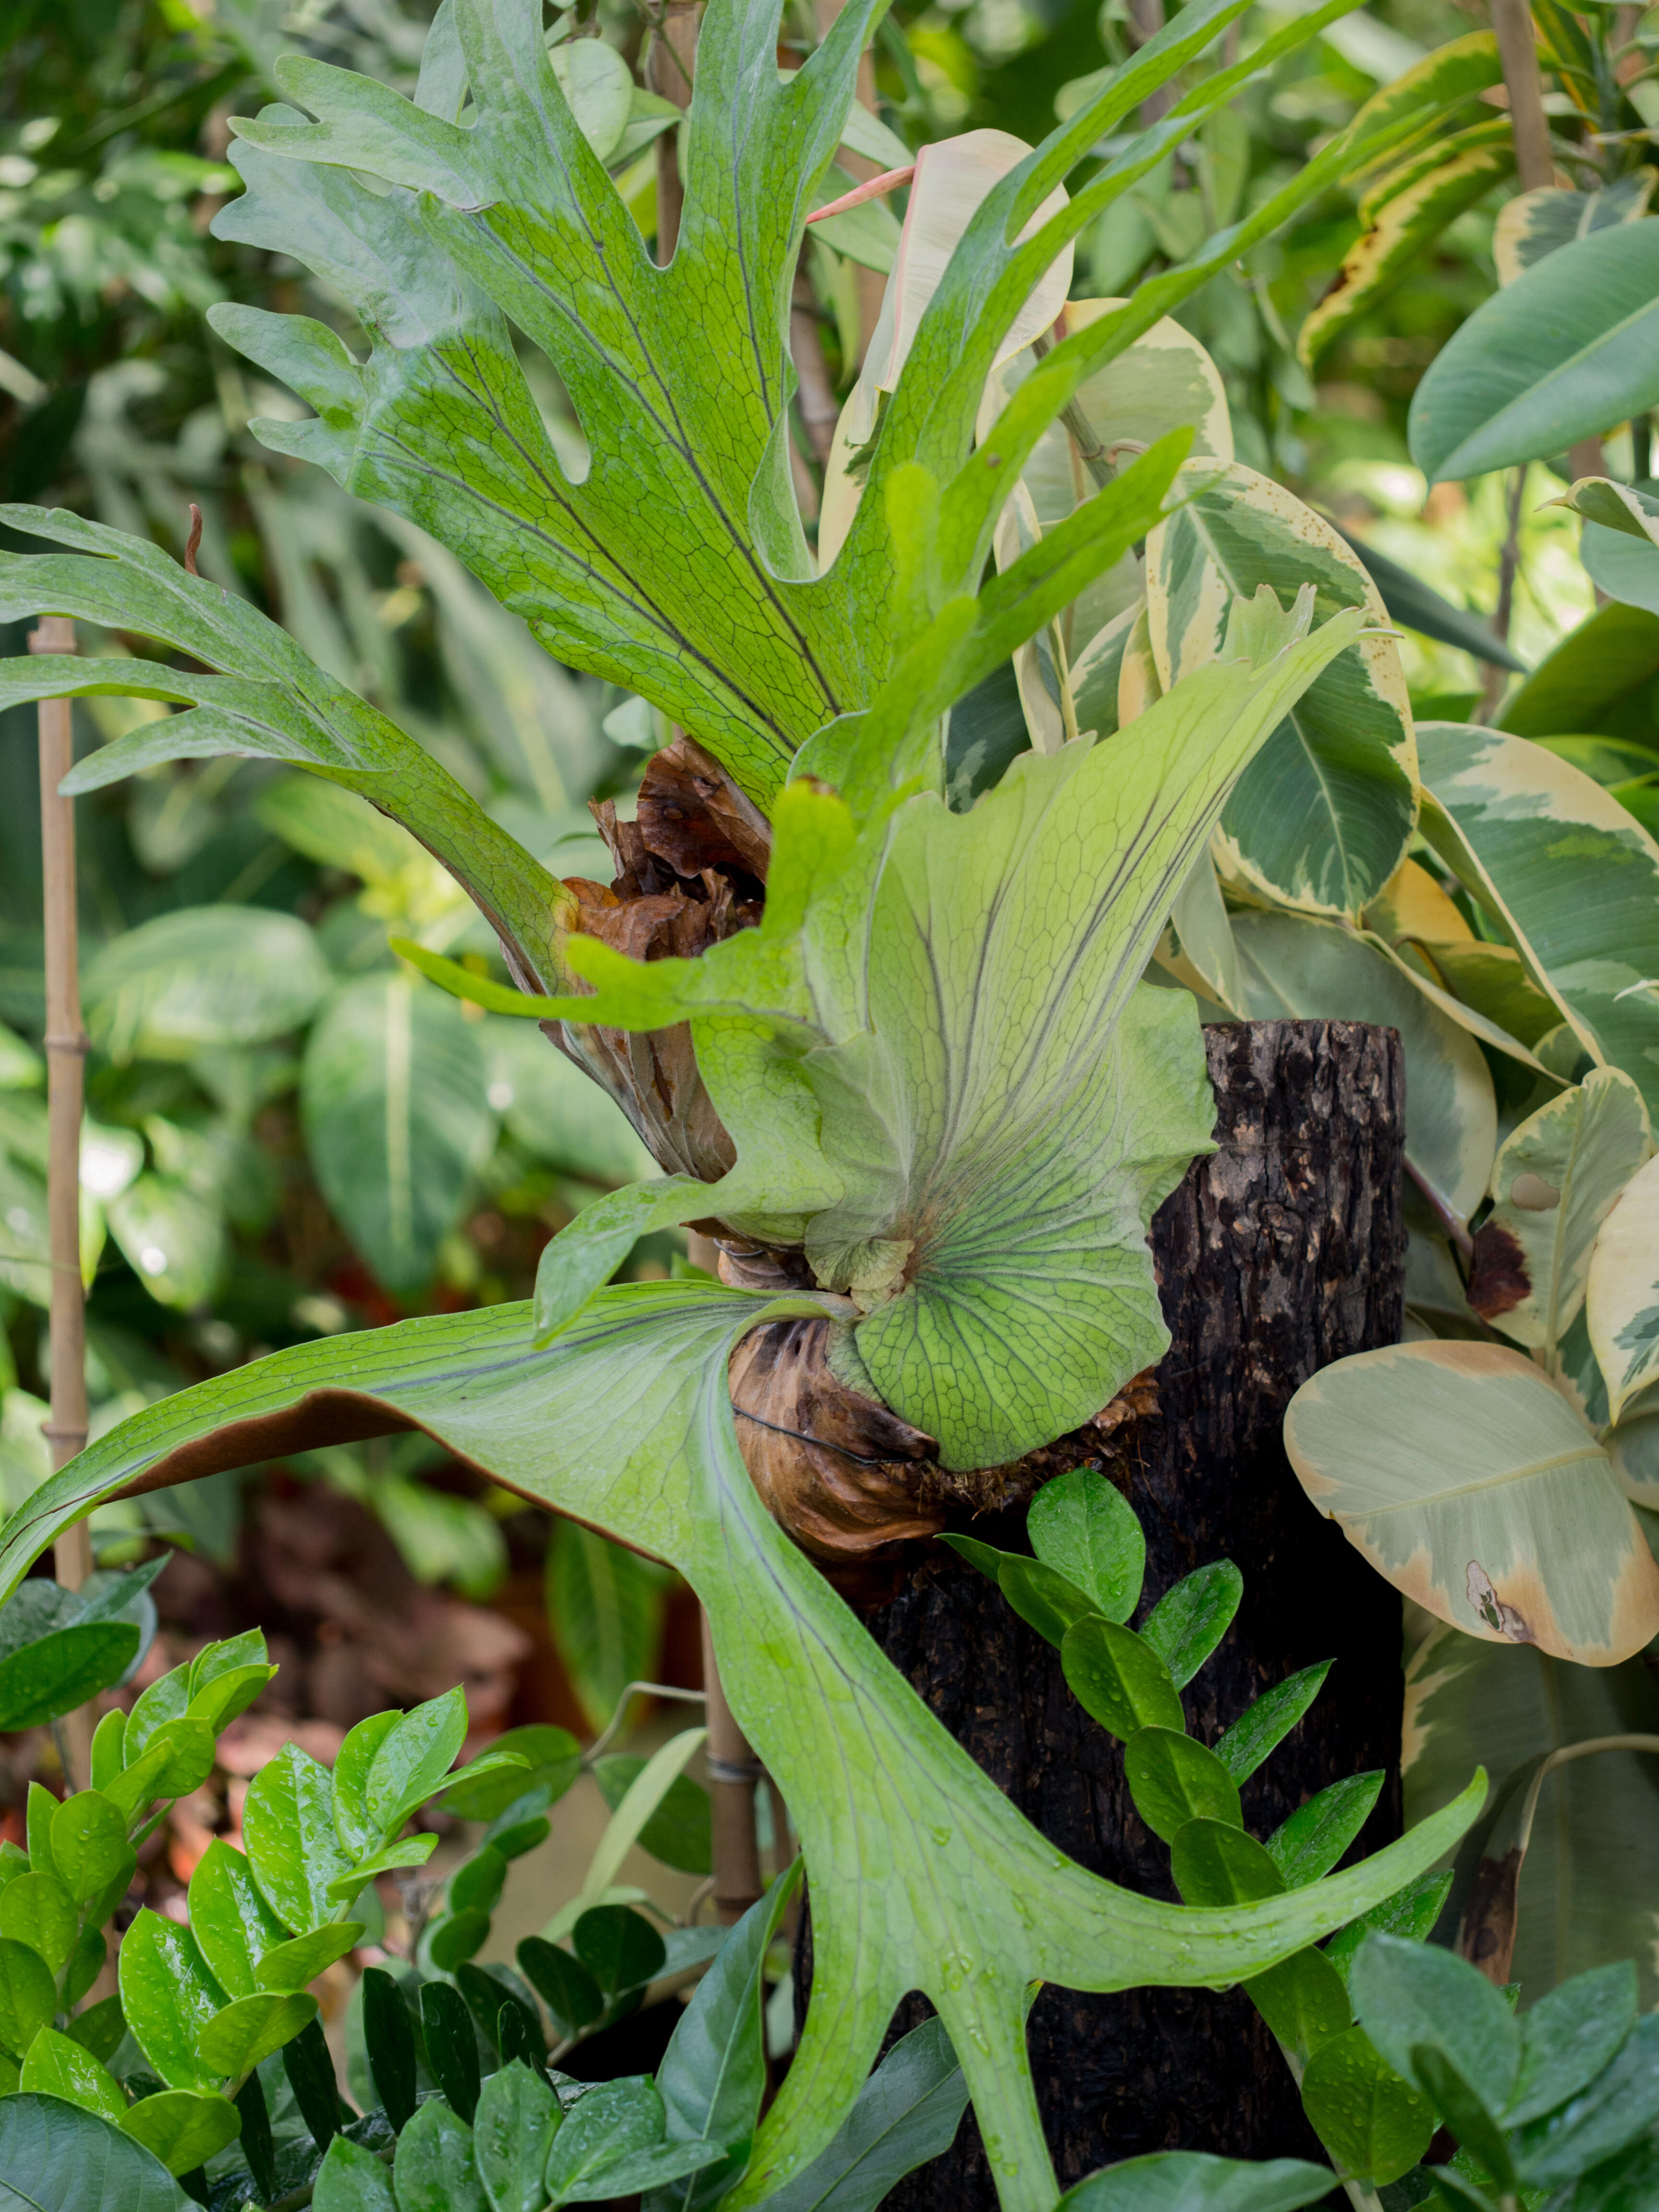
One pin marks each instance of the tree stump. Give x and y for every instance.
(1283, 1251)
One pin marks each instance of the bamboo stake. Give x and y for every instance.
(66, 1047)
(734, 1773)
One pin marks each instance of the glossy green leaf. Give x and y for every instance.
(1320, 818)
(1215, 1863)
(412, 1851)
(230, 1919)
(249, 2029)
(661, 2173)
(555, 1761)
(1263, 1725)
(513, 2131)
(1556, 1179)
(452, 2050)
(615, 2120)
(291, 1966)
(309, 2065)
(1042, 1597)
(1085, 1530)
(42, 1680)
(36, 1909)
(906, 2112)
(1194, 2181)
(619, 1947)
(188, 1744)
(1315, 1836)
(457, 1937)
(678, 1831)
(1465, 2112)
(1541, 222)
(1373, 2122)
(392, 1095)
(1407, 1995)
(389, 2042)
(352, 2180)
(476, 1885)
(713, 2076)
(412, 1759)
(168, 1997)
(181, 2128)
(227, 1696)
(1623, 1292)
(1174, 1780)
(1119, 1679)
(56, 2158)
(203, 975)
(1569, 2036)
(563, 1983)
(1412, 1913)
(640, 1384)
(100, 2028)
(1190, 1619)
(1620, 2104)
(1308, 970)
(1304, 2002)
(56, 2066)
(1564, 352)
(287, 1823)
(89, 1843)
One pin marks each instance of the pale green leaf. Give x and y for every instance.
(625, 1420)
(56, 2158)
(1465, 1477)
(203, 975)
(605, 1608)
(1623, 1289)
(173, 1240)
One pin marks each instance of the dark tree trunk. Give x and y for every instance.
(1282, 1252)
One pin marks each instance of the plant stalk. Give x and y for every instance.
(1517, 50)
(66, 1050)
(733, 1774)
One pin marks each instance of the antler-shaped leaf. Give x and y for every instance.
(923, 1875)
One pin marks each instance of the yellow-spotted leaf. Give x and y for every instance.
(1319, 971)
(1467, 1479)
(1526, 832)
(1321, 819)
(1491, 982)
(1534, 223)
(1404, 215)
(1624, 1292)
(1553, 1184)
(1412, 904)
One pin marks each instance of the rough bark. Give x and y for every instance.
(1281, 1253)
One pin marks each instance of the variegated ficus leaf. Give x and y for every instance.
(1536, 223)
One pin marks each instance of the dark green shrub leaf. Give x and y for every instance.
(1192, 2181)
(1189, 1621)
(181, 2127)
(165, 1700)
(89, 1843)
(1407, 1994)
(108, 1743)
(1373, 2123)
(251, 2028)
(678, 1831)
(555, 1761)
(1464, 2111)
(477, 1884)
(224, 1697)
(229, 1656)
(451, 2049)
(1119, 1681)
(456, 1938)
(230, 1919)
(610, 2123)
(712, 2073)
(358, 1832)
(1569, 2035)
(168, 1997)
(1082, 1528)
(513, 2132)
(310, 2072)
(389, 2041)
(1215, 1864)
(645, 2171)
(1043, 1598)
(287, 1824)
(1619, 2104)
(906, 2112)
(1303, 2000)
(37, 1910)
(1313, 1838)
(256, 2145)
(352, 2180)
(1411, 1912)
(50, 1678)
(86, 1964)
(518, 2036)
(57, 2066)
(297, 1963)
(563, 1985)
(435, 2170)
(410, 1764)
(56, 2158)
(489, 1990)
(100, 2028)
(1261, 1728)
(518, 1836)
(1174, 1780)
(985, 1557)
(619, 1947)
(413, 1851)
